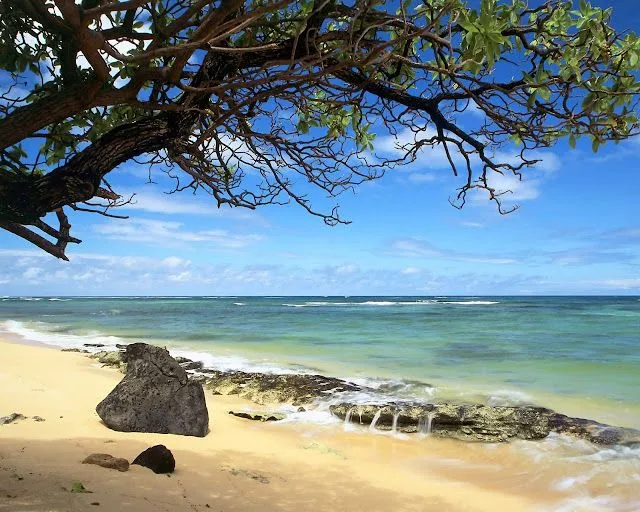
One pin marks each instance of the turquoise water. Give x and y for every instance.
(499, 349)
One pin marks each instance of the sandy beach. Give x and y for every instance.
(241, 465)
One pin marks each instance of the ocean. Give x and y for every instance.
(576, 352)
(577, 355)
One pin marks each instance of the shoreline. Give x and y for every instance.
(343, 467)
(610, 412)
(240, 465)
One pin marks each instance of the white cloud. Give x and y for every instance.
(181, 277)
(434, 157)
(170, 233)
(512, 188)
(471, 224)
(621, 284)
(418, 248)
(175, 262)
(345, 270)
(170, 204)
(416, 177)
(32, 273)
(185, 204)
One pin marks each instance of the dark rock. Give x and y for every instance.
(265, 388)
(475, 422)
(301, 409)
(94, 345)
(259, 416)
(158, 459)
(156, 395)
(75, 350)
(192, 365)
(188, 364)
(38, 418)
(14, 416)
(107, 461)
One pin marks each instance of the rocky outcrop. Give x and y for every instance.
(105, 460)
(261, 388)
(258, 416)
(266, 388)
(14, 416)
(474, 422)
(156, 395)
(158, 459)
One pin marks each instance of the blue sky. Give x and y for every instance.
(577, 232)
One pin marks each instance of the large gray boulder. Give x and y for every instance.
(156, 395)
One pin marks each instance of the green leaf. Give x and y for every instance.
(78, 487)
(544, 93)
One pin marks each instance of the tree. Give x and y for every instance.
(246, 99)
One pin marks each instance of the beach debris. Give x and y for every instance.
(158, 459)
(259, 416)
(11, 418)
(156, 395)
(323, 448)
(477, 422)
(253, 475)
(105, 460)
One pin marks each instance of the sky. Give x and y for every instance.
(577, 231)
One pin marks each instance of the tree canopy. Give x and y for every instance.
(258, 101)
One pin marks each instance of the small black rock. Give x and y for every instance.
(158, 459)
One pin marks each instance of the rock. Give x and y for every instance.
(94, 345)
(75, 350)
(158, 459)
(107, 461)
(156, 395)
(266, 388)
(114, 359)
(14, 416)
(475, 422)
(188, 364)
(301, 409)
(193, 365)
(259, 416)
(38, 418)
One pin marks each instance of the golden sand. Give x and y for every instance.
(240, 466)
